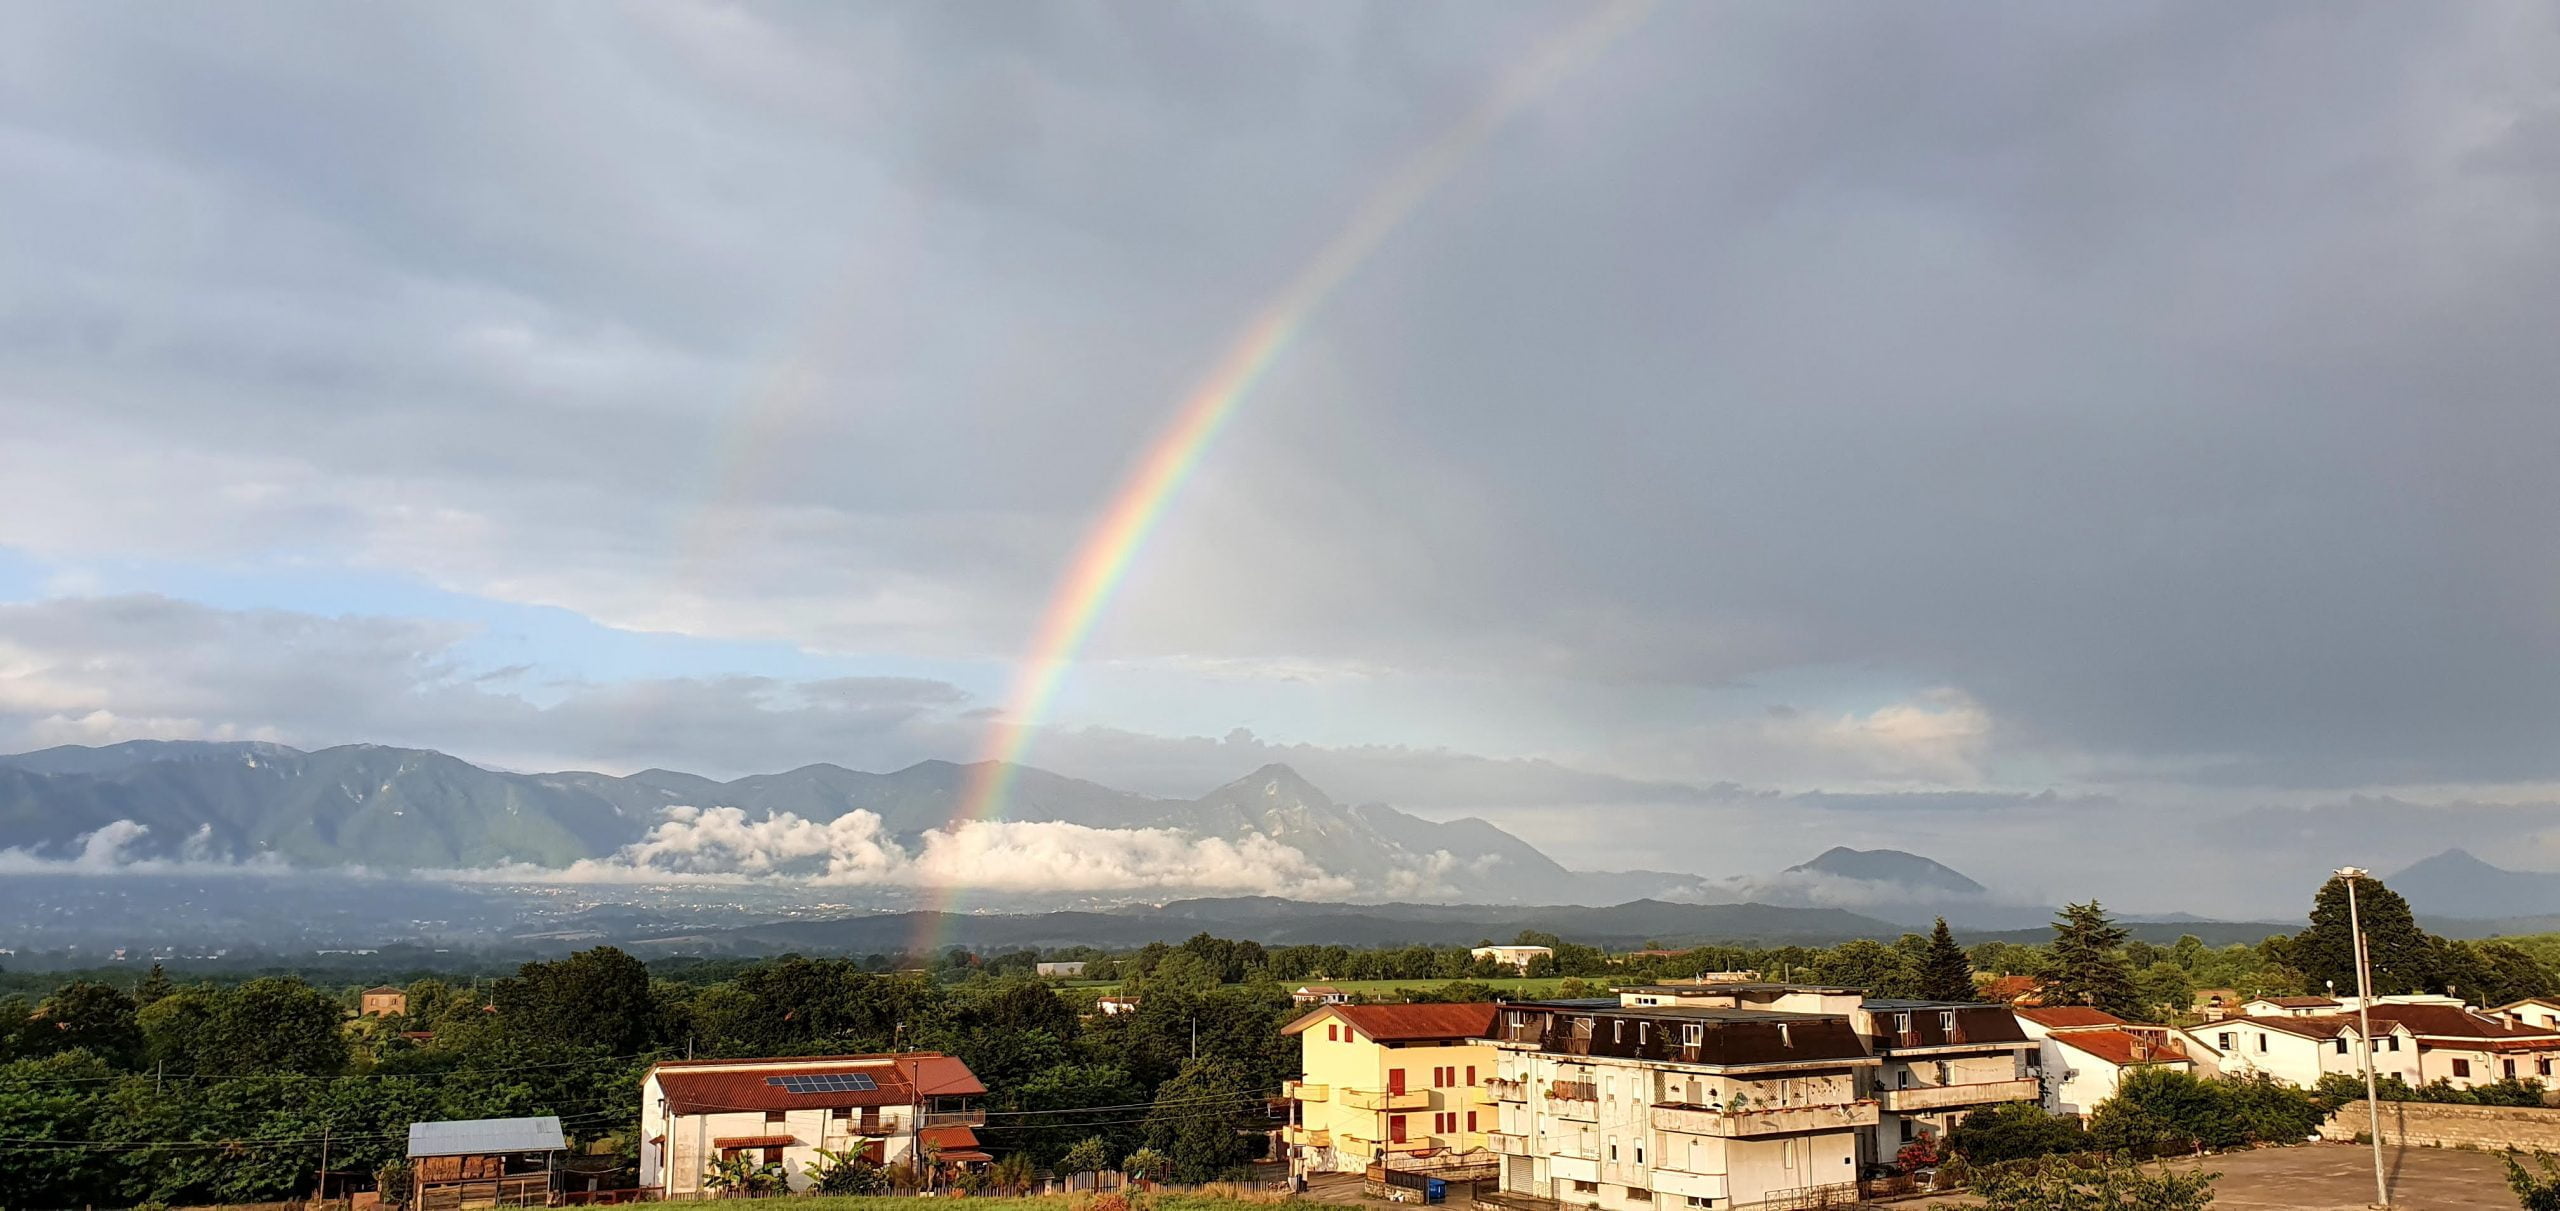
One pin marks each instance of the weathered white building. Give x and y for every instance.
(1941, 1061)
(1514, 956)
(2297, 1050)
(1627, 1106)
(784, 1111)
(2084, 1054)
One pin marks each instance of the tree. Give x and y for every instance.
(2067, 1184)
(85, 1015)
(1194, 1120)
(594, 998)
(1012, 1174)
(2016, 1131)
(272, 1025)
(2162, 992)
(846, 1172)
(741, 1175)
(1149, 1165)
(154, 985)
(2083, 966)
(1090, 1155)
(2402, 956)
(1945, 973)
(2535, 1193)
(1871, 965)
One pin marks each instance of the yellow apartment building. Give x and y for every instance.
(1401, 1085)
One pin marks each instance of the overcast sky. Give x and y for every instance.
(2105, 448)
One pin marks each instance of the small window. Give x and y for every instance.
(1639, 1152)
(1636, 1195)
(1471, 1120)
(1332, 1033)
(2395, 1042)
(776, 1116)
(841, 1114)
(1617, 1030)
(2222, 1041)
(1582, 1187)
(1471, 1076)
(1902, 1023)
(2262, 1040)
(2510, 1067)
(1694, 1034)
(2462, 1068)
(1696, 1201)
(2342, 1046)
(1947, 1022)
(2541, 1067)
(1786, 1037)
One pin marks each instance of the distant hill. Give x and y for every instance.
(2454, 884)
(1277, 922)
(412, 809)
(1888, 866)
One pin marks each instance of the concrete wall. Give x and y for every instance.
(2427, 1124)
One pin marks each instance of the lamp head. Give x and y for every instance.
(2351, 872)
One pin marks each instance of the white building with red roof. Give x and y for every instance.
(784, 1111)
(2087, 1052)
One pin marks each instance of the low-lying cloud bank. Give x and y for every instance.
(724, 845)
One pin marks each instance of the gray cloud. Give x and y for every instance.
(2149, 404)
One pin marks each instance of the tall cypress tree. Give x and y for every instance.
(2086, 963)
(2402, 955)
(1945, 973)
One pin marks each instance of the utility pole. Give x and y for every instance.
(2364, 1028)
(324, 1164)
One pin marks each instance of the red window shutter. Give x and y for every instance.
(1471, 1074)
(1395, 1129)
(1395, 1080)
(1471, 1120)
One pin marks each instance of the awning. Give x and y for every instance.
(949, 1139)
(755, 1141)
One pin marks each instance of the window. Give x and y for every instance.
(1695, 1035)
(1333, 1034)
(1613, 1149)
(1395, 1080)
(2342, 1046)
(2511, 1068)
(1902, 1023)
(1696, 1201)
(1947, 1023)
(1617, 1030)
(1395, 1129)
(775, 1116)
(773, 1156)
(1639, 1152)
(1471, 1076)
(2395, 1042)
(1635, 1195)
(2262, 1040)
(2222, 1041)
(1786, 1037)
(1471, 1120)
(2541, 1067)
(1582, 1187)
(841, 1114)
(2462, 1068)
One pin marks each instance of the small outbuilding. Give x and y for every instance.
(383, 1001)
(489, 1162)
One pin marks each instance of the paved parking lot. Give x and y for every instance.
(2339, 1177)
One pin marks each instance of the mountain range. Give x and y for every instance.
(2454, 885)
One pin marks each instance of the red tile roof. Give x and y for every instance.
(2455, 1022)
(2119, 1048)
(1400, 1023)
(2068, 1017)
(2008, 988)
(713, 1086)
(2297, 1002)
(2315, 1026)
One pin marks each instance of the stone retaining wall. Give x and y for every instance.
(2433, 1125)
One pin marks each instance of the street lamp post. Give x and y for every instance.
(2364, 1031)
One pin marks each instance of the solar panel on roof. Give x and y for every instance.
(824, 1082)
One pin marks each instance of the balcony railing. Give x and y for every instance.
(1304, 1091)
(1506, 1090)
(952, 1118)
(1573, 1091)
(1509, 1145)
(1754, 1121)
(1942, 1097)
(1382, 1099)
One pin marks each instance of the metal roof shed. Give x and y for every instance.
(490, 1162)
(481, 1136)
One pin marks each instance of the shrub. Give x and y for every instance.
(2017, 1131)
(2158, 1111)
(2083, 1183)
(2534, 1193)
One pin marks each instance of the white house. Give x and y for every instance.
(2298, 1050)
(2468, 1047)
(2087, 1052)
(784, 1111)
(2540, 1013)
(1065, 970)
(1515, 956)
(1319, 994)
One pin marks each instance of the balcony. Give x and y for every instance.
(1573, 1168)
(1506, 1090)
(1381, 1099)
(1509, 1145)
(1302, 1091)
(1755, 1121)
(1921, 1098)
(952, 1118)
(1410, 1143)
(1690, 1185)
(1304, 1138)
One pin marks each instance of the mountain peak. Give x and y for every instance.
(1886, 866)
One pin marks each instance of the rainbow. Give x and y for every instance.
(1145, 493)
